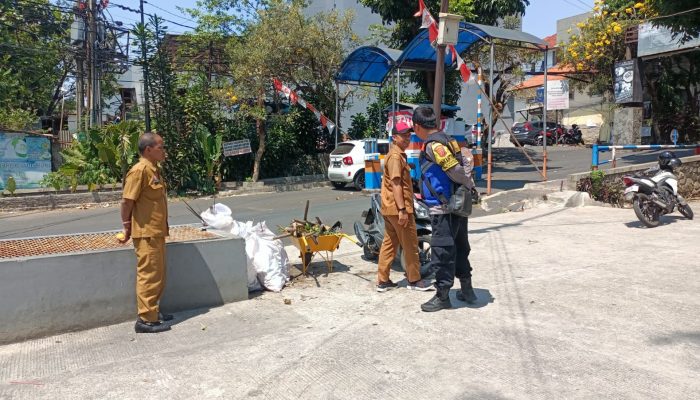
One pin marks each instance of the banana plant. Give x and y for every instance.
(211, 149)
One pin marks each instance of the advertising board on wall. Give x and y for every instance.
(25, 157)
(627, 84)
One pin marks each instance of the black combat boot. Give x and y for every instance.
(440, 301)
(466, 293)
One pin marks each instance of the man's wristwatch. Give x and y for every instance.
(402, 209)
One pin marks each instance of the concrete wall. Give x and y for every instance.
(688, 176)
(48, 295)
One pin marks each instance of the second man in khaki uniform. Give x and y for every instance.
(399, 220)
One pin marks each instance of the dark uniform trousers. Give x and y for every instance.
(449, 249)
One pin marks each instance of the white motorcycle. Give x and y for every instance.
(655, 192)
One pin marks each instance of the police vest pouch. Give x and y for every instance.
(460, 203)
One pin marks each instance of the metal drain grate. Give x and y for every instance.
(39, 246)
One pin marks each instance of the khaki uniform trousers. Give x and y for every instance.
(396, 236)
(150, 276)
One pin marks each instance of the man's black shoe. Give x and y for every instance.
(165, 317)
(440, 301)
(466, 293)
(149, 327)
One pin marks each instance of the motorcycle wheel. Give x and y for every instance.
(538, 141)
(686, 211)
(423, 256)
(646, 211)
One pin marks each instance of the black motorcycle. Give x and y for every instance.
(572, 136)
(370, 233)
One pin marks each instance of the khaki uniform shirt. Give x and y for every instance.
(145, 186)
(396, 166)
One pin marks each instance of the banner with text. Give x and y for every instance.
(26, 158)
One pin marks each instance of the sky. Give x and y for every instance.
(540, 17)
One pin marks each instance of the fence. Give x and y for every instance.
(595, 156)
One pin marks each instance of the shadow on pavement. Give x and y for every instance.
(483, 298)
(665, 220)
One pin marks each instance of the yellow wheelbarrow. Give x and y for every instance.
(323, 245)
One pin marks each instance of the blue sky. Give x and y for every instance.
(540, 17)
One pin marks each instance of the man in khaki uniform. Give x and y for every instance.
(397, 209)
(144, 215)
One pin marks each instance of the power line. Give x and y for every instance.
(181, 16)
(133, 10)
(692, 10)
(588, 7)
(575, 5)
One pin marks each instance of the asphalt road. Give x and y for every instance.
(511, 170)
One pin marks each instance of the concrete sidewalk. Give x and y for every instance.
(575, 303)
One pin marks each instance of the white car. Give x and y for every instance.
(347, 163)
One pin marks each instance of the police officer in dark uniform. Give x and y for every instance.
(442, 168)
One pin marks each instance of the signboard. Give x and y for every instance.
(539, 95)
(657, 40)
(237, 147)
(26, 158)
(627, 86)
(557, 95)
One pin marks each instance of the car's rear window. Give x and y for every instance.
(343, 148)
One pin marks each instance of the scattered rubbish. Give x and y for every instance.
(287, 301)
(203, 327)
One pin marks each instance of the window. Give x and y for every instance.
(343, 148)
(383, 148)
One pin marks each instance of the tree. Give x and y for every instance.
(672, 81)
(407, 26)
(34, 54)
(686, 23)
(280, 42)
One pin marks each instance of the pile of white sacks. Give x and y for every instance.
(268, 264)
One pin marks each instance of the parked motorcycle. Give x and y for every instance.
(572, 136)
(551, 139)
(370, 232)
(655, 192)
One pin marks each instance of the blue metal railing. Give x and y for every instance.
(595, 158)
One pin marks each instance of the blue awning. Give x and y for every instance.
(367, 65)
(371, 65)
(420, 55)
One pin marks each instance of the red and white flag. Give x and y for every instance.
(294, 97)
(463, 69)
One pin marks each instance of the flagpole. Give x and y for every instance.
(439, 71)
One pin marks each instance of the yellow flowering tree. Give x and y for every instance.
(598, 42)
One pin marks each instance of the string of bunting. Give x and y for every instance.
(427, 21)
(294, 98)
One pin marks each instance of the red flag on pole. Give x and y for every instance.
(463, 70)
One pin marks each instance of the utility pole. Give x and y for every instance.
(79, 69)
(94, 103)
(145, 73)
(440, 72)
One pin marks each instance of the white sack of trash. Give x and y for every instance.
(268, 263)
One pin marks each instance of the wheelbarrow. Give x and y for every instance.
(323, 245)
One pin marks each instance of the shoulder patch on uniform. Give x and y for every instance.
(443, 156)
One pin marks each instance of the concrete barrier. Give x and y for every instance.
(58, 293)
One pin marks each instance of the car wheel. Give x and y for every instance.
(359, 180)
(338, 185)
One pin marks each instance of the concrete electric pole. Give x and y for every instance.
(440, 71)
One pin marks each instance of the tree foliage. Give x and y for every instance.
(672, 82)
(34, 54)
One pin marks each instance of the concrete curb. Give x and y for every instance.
(45, 200)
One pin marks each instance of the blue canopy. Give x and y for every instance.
(371, 65)
(367, 65)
